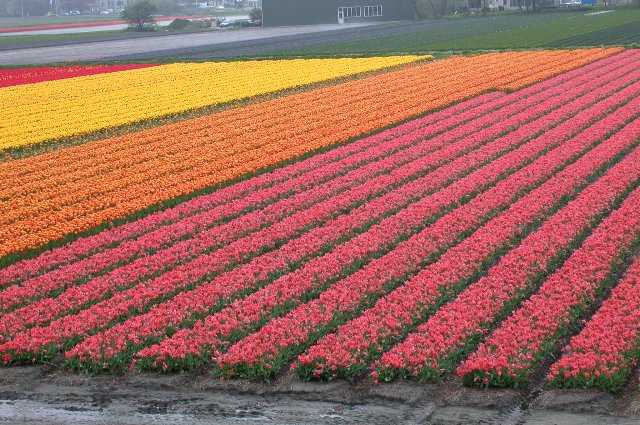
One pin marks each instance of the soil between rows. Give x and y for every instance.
(45, 395)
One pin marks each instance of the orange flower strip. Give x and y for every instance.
(52, 195)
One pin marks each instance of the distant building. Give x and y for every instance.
(307, 12)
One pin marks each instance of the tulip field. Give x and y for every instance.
(469, 218)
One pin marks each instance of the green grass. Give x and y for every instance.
(497, 32)
(7, 41)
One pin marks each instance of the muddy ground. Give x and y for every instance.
(40, 395)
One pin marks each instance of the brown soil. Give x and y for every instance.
(40, 395)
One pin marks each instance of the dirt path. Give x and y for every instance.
(33, 395)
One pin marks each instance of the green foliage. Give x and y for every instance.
(140, 13)
(255, 14)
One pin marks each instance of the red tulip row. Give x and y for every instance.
(293, 288)
(436, 345)
(511, 353)
(351, 348)
(605, 352)
(29, 75)
(91, 255)
(267, 350)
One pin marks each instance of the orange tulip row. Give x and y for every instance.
(71, 190)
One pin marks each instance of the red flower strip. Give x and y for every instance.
(511, 353)
(29, 75)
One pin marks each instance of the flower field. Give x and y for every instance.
(470, 218)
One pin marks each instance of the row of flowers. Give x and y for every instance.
(454, 329)
(604, 353)
(510, 355)
(178, 228)
(294, 287)
(112, 178)
(269, 349)
(30, 75)
(204, 266)
(33, 113)
(349, 350)
(95, 252)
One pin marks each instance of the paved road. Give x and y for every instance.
(104, 50)
(262, 46)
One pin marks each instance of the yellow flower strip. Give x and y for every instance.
(52, 110)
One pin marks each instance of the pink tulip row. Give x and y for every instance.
(87, 246)
(510, 354)
(604, 353)
(270, 348)
(247, 191)
(111, 342)
(44, 310)
(292, 287)
(41, 312)
(349, 350)
(435, 345)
